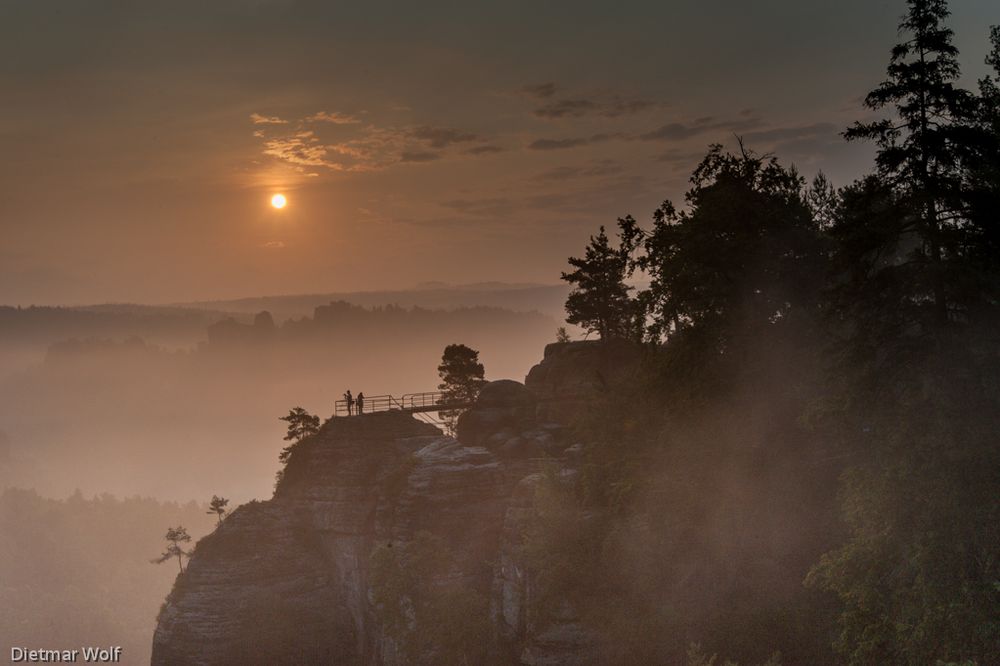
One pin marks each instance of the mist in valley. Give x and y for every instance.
(119, 421)
(186, 405)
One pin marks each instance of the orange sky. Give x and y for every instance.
(143, 141)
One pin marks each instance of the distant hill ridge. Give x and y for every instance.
(546, 299)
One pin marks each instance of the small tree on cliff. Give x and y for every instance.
(175, 537)
(301, 424)
(462, 376)
(218, 507)
(600, 299)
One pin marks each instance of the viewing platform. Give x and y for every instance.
(411, 403)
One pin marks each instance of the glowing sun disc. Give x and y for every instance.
(279, 201)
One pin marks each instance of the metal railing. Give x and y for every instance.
(371, 403)
(428, 401)
(421, 400)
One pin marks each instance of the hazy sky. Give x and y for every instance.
(456, 141)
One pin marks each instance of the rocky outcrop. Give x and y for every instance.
(573, 373)
(290, 580)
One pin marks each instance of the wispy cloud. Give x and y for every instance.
(540, 90)
(367, 147)
(441, 137)
(419, 156)
(300, 149)
(566, 108)
(267, 120)
(795, 132)
(574, 142)
(563, 173)
(624, 107)
(488, 149)
(558, 144)
(334, 117)
(678, 131)
(578, 106)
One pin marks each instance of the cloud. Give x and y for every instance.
(366, 147)
(681, 131)
(484, 150)
(418, 156)
(441, 137)
(300, 149)
(557, 144)
(560, 144)
(606, 106)
(266, 120)
(334, 117)
(790, 133)
(680, 160)
(564, 173)
(673, 132)
(624, 107)
(273, 245)
(483, 207)
(540, 90)
(566, 108)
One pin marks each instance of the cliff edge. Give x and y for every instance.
(387, 542)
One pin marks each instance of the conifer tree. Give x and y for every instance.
(600, 300)
(175, 537)
(920, 152)
(218, 507)
(462, 377)
(301, 424)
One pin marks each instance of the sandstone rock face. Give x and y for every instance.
(289, 580)
(573, 372)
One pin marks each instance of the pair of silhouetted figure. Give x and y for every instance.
(352, 402)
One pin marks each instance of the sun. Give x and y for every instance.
(279, 201)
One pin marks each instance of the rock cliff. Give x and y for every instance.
(387, 542)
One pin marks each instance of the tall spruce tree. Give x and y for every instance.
(920, 150)
(918, 574)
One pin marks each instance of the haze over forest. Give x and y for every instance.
(172, 396)
(764, 236)
(140, 414)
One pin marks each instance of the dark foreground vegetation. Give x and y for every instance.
(809, 460)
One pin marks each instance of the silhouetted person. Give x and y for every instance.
(350, 402)
(361, 403)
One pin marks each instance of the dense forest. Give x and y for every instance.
(808, 461)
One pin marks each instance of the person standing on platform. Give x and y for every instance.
(360, 402)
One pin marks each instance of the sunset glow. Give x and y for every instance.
(279, 201)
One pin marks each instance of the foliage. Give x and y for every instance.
(562, 335)
(740, 261)
(175, 537)
(462, 377)
(916, 295)
(802, 330)
(432, 617)
(920, 162)
(696, 657)
(918, 575)
(600, 300)
(301, 424)
(218, 507)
